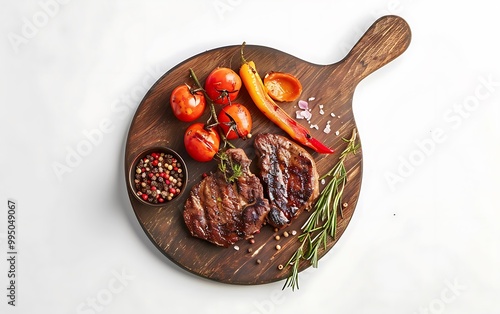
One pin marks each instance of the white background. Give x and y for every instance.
(424, 237)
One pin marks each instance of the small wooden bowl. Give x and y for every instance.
(157, 149)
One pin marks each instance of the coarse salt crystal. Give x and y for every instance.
(314, 126)
(237, 248)
(320, 106)
(332, 114)
(321, 111)
(337, 133)
(323, 181)
(311, 98)
(327, 128)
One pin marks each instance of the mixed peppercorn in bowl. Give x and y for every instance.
(157, 176)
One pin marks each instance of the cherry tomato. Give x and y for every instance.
(235, 121)
(187, 105)
(201, 144)
(223, 85)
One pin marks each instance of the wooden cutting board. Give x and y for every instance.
(331, 86)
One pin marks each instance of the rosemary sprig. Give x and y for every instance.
(322, 223)
(231, 171)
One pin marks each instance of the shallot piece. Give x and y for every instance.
(304, 105)
(306, 114)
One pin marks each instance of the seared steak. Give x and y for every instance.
(289, 175)
(222, 212)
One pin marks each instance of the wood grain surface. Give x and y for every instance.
(331, 85)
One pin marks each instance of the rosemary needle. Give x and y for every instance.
(322, 223)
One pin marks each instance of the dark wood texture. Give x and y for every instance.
(331, 85)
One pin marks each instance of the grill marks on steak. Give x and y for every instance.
(289, 175)
(223, 213)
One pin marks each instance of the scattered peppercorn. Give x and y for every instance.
(277, 237)
(280, 267)
(153, 182)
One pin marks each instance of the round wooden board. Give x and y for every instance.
(331, 85)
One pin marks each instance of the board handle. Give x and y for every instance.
(384, 41)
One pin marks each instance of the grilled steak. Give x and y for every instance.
(222, 212)
(289, 175)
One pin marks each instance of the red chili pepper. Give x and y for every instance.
(257, 91)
